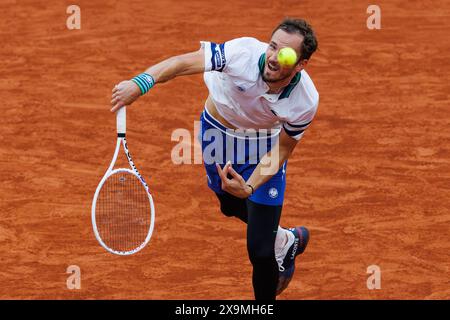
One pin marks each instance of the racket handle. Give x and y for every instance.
(121, 120)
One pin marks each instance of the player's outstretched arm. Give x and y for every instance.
(128, 91)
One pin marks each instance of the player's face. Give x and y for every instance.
(273, 71)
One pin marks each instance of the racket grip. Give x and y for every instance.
(121, 120)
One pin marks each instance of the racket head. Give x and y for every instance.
(123, 212)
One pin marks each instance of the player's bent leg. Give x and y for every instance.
(261, 232)
(232, 206)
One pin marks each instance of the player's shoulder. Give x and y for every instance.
(241, 56)
(248, 42)
(236, 57)
(308, 90)
(303, 101)
(246, 45)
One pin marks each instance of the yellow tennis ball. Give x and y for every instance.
(287, 57)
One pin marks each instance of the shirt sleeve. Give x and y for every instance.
(296, 127)
(230, 57)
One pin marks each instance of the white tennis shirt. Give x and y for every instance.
(233, 75)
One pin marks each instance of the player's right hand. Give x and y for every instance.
(124, 94)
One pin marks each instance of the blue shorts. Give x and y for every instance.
(244, 150)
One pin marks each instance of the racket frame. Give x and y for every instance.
(121, 140)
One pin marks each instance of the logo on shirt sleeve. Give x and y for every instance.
(217, 56)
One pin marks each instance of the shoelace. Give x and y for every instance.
(280, 264)
(280, 259)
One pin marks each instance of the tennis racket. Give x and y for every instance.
(122, 212)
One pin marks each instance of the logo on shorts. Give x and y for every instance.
(273, 193)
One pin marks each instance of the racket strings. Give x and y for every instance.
(123, 212)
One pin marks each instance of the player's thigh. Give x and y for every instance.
(272, 191)
(232, 206)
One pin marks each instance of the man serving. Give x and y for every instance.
(258, 93)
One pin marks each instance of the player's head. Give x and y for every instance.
(294, 33)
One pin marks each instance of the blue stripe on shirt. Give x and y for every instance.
(292, 133)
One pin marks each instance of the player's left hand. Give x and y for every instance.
(236, 185)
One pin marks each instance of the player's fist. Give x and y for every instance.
(124, 94)
(236, 185)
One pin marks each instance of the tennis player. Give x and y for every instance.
(253, 101)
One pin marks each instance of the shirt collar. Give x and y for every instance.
(288, 89)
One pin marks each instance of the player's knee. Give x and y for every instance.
(231, 206)
(260, 251)
(226, 210)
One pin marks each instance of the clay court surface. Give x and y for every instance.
(371, 177)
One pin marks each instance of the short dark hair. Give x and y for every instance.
(300, 26)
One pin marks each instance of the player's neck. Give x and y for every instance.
(277, 87)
